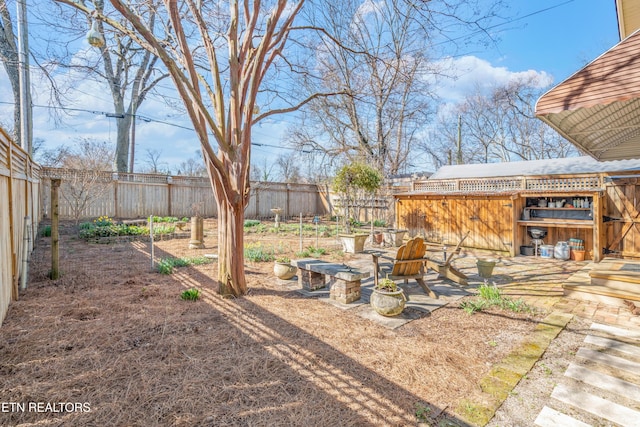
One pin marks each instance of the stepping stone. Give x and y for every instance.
(619, 332)
(551, 418)
(609, 360)
(630, 349)
(604, 381)
(596, 405)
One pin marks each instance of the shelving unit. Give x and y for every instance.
(561, 223)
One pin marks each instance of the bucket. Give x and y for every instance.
(546, 251)
(561, 251)
(485, 267)
(526, 250)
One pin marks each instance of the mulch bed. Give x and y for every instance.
(115, 337)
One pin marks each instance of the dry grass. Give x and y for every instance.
(115, 335)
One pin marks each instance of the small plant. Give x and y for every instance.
(422, 412)
(311, 251)
(248, 223)
(283, 260)
(190, 294)
(256, 253)
(379, 223)
(490, 296)
(387, 285)
(46, 231)
(103, 221)
(490, 293)
(166, 265)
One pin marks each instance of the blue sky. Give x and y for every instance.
(560, 40)
(554, 38)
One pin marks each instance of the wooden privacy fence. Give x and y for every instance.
(19, 198)
(91, 194)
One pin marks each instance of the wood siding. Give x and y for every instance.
(141, 195)
(628, 17)
(19, 197)
(622, 207)
(445, 220)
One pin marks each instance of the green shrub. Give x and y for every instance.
(248, 223)
(311, 251)
(165, 219)
(46, 231)
(257, 253)
(190, 294)
(490, 296)
(166, 265)
(163, 229)
(103, 221)
(379, 223)
(92, 231)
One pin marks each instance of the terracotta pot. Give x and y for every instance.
(378, 237)
(284, 271)
(388, 303)
(577, 255)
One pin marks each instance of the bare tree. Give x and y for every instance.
(129, 71)
(153, 163)
(262, 173)
(384, 74)
(85, 182)
(193, 166)
(497, 126)
(219, 60)
(289, 166)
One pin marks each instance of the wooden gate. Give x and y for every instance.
(446, 219)
(622, 218)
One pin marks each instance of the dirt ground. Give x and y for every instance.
(112, 343)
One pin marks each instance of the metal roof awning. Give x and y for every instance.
(598, 108)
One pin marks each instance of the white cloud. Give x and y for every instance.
(468, 73)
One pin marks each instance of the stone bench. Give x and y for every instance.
(344, 281)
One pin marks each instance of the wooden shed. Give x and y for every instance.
(573, 200)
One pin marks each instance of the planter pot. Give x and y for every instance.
(353, 243)
(284, 271)
(527, 250)
(378, 237)
(485, 267)
(577, 255)
(388, 303)
(394, 237)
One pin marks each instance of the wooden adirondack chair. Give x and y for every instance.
(408, 264)
(445, 269)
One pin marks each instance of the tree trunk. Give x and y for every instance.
(122, 143)
(231, 278)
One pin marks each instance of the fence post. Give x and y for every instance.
(55, 236)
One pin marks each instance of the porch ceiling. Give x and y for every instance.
(598, 108)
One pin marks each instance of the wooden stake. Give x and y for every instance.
(55, 235)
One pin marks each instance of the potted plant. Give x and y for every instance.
(387, 299)
(350, 179)
(283, 268)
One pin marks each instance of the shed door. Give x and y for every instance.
(489, 222)
(622, 235)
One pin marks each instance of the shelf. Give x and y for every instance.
(558, 222)
(558, 209)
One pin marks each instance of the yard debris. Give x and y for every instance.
(635, 310)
